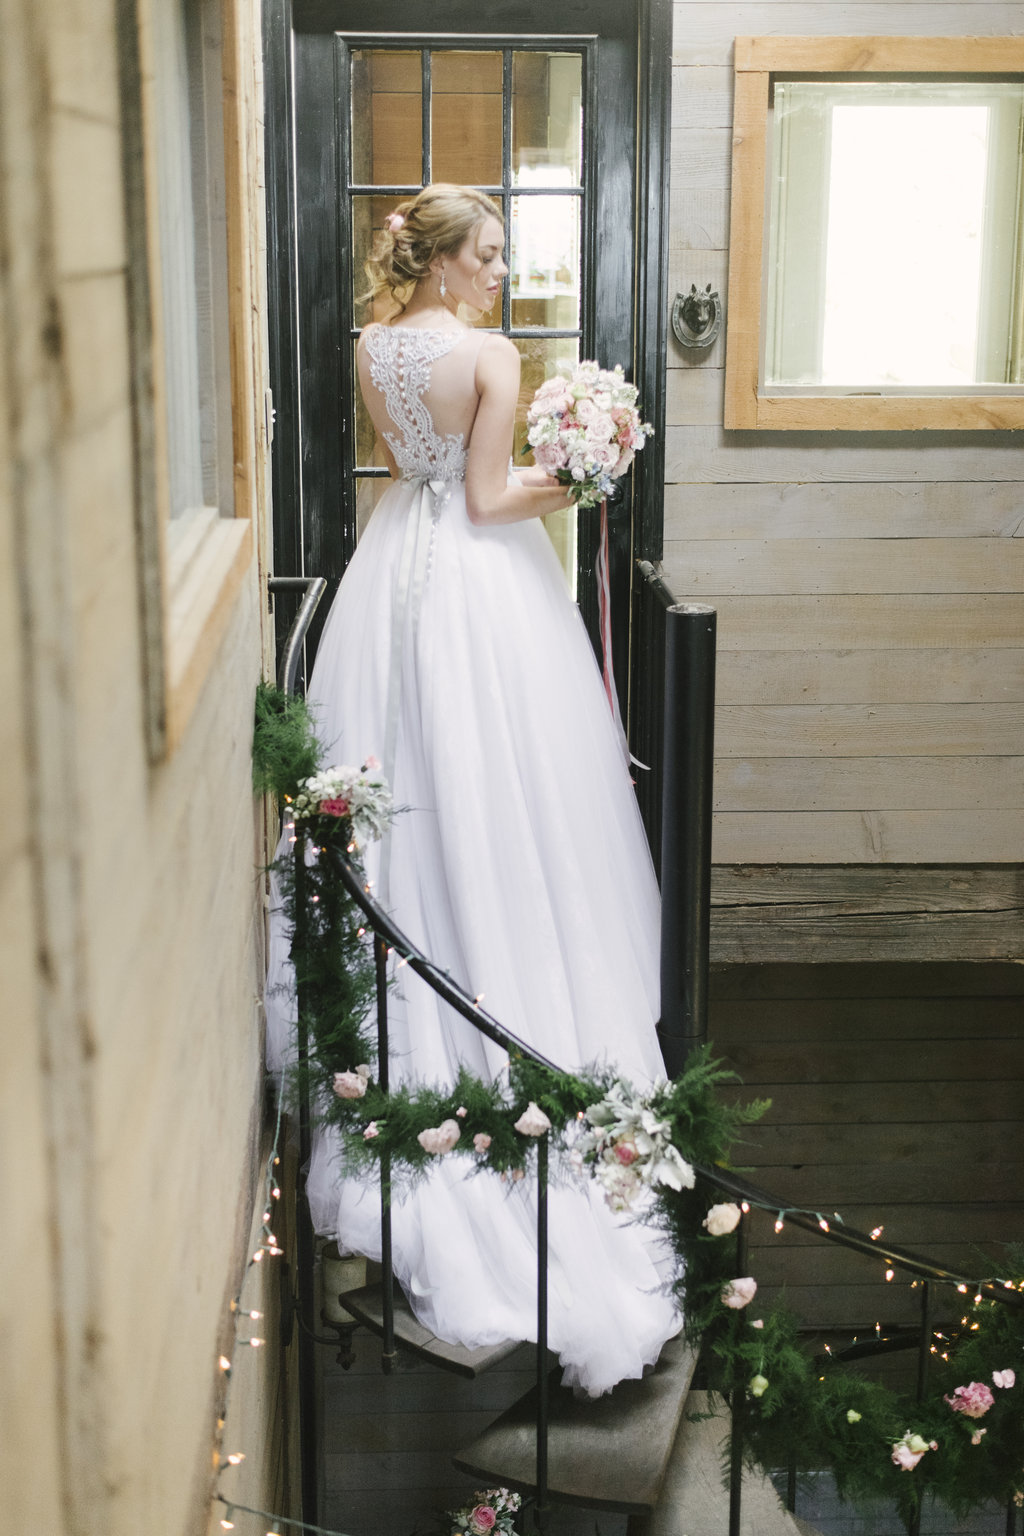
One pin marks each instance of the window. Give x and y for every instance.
(193, 548)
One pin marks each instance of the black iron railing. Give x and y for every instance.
(685, 748)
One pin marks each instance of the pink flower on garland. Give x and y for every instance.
(481, 1141)
(1003, 1378)
(973, 1400)
(740, 1293)
(976, 1437)
(482, 1519)
(337, 807)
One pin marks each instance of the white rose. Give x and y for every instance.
(721, 1219)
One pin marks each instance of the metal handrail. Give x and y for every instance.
(314, 588)
(390, 939)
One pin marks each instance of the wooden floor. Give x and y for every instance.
(898, 1099)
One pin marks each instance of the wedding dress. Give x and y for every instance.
(455, 653)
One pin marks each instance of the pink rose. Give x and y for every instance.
(337, 807)
(371, 1131)
(740, 1293)
(550, 457)
(481, 1141)
(626, 1153)
(976, 1437)
(973, 1400)
(482, 1519)
(1003, 1378)
(904, 1457)
(622, 463)
(351, 1085)
(372, 764)
(438, 1139)
(462, 1111)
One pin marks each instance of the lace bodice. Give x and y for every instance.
(401, 358)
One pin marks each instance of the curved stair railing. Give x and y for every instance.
(389, 940)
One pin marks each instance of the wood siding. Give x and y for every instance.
(897, 1101)
(868, 585)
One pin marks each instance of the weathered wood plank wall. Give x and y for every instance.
(897, 1100)
(868, 585)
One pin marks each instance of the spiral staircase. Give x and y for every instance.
(652, 1450)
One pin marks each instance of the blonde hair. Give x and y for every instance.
(436, 222)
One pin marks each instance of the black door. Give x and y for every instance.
(559, 114)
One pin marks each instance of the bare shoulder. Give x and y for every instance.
(497, 360)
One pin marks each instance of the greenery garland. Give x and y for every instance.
(963, 1444)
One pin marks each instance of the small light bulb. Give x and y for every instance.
(224, 1363)
(822, 1223)
(275, 1194)
(235, 1458)
(745, 1207)
(257, 1256)
(889, 1274)
(256, 1314)
(257, 1342)
(778, 1225)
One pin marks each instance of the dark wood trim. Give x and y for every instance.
(817, 914)
(654, 113)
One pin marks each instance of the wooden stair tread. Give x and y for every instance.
(366, 1305)
(694, 1498)
(603, 1453)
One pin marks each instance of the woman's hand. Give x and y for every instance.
(530, 475)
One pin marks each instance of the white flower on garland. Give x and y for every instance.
(630, 1147)
(360, 794)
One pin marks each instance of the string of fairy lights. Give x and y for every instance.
(246, 1321)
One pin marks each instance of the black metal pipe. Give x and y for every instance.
(387, 1359)
(304, 1245)
(687, 778)
(542, 1334)
(738, 1405)
(924, 1348)
(314, 588)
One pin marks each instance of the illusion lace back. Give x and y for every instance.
(427, 420)
(518, 863)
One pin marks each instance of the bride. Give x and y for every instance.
(454, 652)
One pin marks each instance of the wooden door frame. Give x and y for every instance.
(637, 535)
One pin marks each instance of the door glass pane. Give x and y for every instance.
(547, 120)
(466, 118)
(386, 117)
(545, 261)
(368, 214)
(542, 357)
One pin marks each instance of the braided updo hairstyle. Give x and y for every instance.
(436, 222)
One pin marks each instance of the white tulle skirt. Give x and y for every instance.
(519, 863)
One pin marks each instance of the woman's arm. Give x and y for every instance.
(489, 496)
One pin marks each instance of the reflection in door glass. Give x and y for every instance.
(466, 118)
(545, 258)
(547, 121)
(386, 117)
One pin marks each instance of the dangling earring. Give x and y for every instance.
(444, 285)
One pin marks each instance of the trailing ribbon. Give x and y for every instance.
(604, 612)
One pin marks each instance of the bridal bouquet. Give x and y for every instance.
(359, 794)
(585, 428)
(494, 1513)
(630, 1148)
